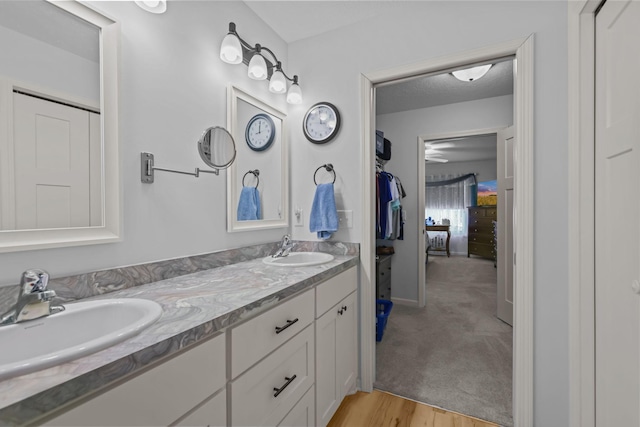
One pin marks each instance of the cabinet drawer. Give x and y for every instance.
(480, 221)
(333, 290)
(488, 230)
(302, 414)
(212, 413)
(486, 239)
(476, 212)
(481, 250)
(253, 400)
(257, 337)
(483, 212)
(158, 396)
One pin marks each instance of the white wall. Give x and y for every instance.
(31, 61)
(403, 129)
(330, 66)
(172, 87)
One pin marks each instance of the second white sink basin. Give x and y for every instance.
(83, 328)
(299, 259)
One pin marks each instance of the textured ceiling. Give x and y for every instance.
(50, 24)
(423, 92)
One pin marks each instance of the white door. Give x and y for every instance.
(52, 149)
(617, 215)
(505, 142)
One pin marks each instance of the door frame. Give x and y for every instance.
(422, 293)
(523, 271)
(581, 67)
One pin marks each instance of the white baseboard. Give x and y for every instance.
(403, 301)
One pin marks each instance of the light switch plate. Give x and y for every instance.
(345, 219)
(298, 217)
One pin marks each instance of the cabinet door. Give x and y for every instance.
(327, 390)
(157, 396)
(347, 346)
(213, 413)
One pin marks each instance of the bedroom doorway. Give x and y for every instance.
(523, 50)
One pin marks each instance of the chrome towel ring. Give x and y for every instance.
(255, 173)
(329, 168)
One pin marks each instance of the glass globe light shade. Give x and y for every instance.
(471, 74)
(231, 51)
(257, 67)
(153, 6)
(278, 84)
(295, 94)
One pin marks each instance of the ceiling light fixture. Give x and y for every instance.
(234, 50)
(153, 6)
(471, 74)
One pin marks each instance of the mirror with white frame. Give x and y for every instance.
(257, 182)
(59, 176)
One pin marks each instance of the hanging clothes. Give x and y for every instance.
(389, 213)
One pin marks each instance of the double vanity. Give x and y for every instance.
(246, 343)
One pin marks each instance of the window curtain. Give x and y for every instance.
(447, 197)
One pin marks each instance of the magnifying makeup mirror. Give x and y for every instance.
(217, 148)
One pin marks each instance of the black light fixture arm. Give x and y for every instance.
(259, 48)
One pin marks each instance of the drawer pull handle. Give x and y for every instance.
(289, 323)
(344, 307)
(340, 312)
(281, 389)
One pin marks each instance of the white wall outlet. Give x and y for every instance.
(345, 219)
(298, 217)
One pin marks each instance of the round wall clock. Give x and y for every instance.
(260, 132)
(321, 123)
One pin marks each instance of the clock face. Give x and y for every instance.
(321, 123)
(260, 132)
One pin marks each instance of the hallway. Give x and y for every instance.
(454, 353)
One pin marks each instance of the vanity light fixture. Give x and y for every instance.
(471, 74)
(234, 50)
(153, 6)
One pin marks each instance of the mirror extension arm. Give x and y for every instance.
(147, 169)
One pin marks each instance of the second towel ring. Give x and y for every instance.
(329, 168)
(255, 173)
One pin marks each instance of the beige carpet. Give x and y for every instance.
(454, 353)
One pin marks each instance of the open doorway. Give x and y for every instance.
(444, 345)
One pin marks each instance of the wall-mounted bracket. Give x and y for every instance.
(148, 168)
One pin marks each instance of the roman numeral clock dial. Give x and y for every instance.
(321, 123)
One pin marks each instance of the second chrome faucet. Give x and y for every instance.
(285, 247)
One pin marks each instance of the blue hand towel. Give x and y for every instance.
(249, 204)
(324, 216)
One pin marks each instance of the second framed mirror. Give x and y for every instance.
(257, 182)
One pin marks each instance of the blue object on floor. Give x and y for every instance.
(383, 308)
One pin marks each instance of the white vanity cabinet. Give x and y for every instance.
(189, 385)
(282, 343)
(336, 343)
(290, 365)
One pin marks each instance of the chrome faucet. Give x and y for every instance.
(285, 247)
(33, 300)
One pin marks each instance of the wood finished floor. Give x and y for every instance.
(380, 409)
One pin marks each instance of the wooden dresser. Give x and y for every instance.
(481, 231)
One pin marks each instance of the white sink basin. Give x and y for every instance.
(299, 259)
(83, 328)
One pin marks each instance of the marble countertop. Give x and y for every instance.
(195, 306)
